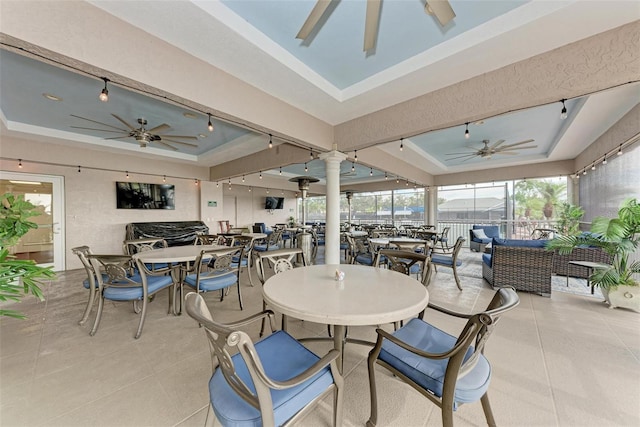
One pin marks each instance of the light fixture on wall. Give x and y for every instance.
(386, 176)
(242, 178)
(229, 183)
(371, 172)
(306, 169)
(270, 142)
(604, 160)
(104, 95)
(401, 144)
(563, 113)
(310, 153)
(466, 132)
(584, 171)
(20, 163)
(209, 123)
(164, 178)
(355, 156)
(397, 180)
(217, 184)
(353, 167)
(267, 191)
(127, 174)
(280, 172)
(260, 174)
(593, 166)
(620, 150)
(195, 181)
(249, 189)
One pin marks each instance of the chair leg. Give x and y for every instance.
(87, 310)
(145, 302)
(211, 417)
(96, 322)
(373, 417)
(455, 275)
(488, 413)
(240, 296)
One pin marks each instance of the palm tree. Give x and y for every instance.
(551, 192)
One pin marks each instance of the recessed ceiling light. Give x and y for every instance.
(189, 115)
(51, 97)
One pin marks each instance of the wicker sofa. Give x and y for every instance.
(524, 264)
(476, 243)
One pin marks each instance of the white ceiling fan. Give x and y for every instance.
(142, 135)
(440, 8)
(487, 151)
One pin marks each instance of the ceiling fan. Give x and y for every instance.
(142, 135)
(440, 8)
(489, 150)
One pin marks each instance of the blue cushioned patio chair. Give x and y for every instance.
(90, 283)
(122, 286)
(271, 243)
(221, 274)
(446, 369)
(134, 246)
(247, 260)
(449, 259)
(272, 382)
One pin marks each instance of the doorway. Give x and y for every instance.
(45, 244)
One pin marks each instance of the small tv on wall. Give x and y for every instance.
(137, 195)
(274, 203)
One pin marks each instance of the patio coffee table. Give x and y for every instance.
(588, 265)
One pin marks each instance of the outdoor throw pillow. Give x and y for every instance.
(479, 234)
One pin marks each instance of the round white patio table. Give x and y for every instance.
(366, 296)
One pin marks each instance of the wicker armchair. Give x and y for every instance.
(524, 268)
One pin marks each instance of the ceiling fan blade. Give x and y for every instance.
(118, 137)
(178, 136)
(441, 9)
(176, 142)
(159, 129)
(313, 18)
(517, 144)
(123, 121)
(101, 130)
(518, 148)
(510, 153)
(462, 157)
(100, 123)
(497, 143)
(453, 154)
(371, 24)
(166, 145)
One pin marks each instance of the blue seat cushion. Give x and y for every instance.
(211, 281)
(264, 248)
(490, 231)
(366, 259)
(519, 243)
(486, 258)
(444, 260)
(429, 373)
(282, 358)
(234, 262)
(154, 284)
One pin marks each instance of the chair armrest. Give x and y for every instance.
(258, 316)
(326, 360)
(449, 312)
(460, 345)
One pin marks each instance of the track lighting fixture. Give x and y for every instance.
(209, 123)
(249, 189)
(242, 178)
(217, 184)
(195, 181)
(20, 163)
(104, 95)
(355, 156)
(371, 172)
(604, 160)
(353, 167)
(310, 153)
(401, 144)
(620, 150)
(260, 174)
(563, 113)
(584, 171)
(407, 183)
(466, 132)
(593, 166)
(270, 141)
(229, 183)
(415, 185)
(386, 176)
(280, 171)
(164, 178)
(306, 169)
(397, 180)
(267, 191)
(127, 174)
(79, 169)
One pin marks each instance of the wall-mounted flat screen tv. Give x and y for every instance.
(137, 195)
(274, 203)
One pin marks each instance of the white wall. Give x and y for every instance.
(250, 206)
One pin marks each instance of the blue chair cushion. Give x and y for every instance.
(444, 260)
(429, 373)
(490, 231)
(366, 259)
(154, 284)
(263, 248)
(234, 262)
(519, 243)
(211, 281)
(486, 258)
(282, 358)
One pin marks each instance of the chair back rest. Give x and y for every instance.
(287, 254)
(220, 264)
(131, 247)
(456, 248)
(282, 265)
(83, 252)
(274, 238)
(117, 268)
(223, 342)
(477, 331)
(209, 239)
(246, 241)
(402, 261)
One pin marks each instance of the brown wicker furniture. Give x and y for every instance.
(526, 268)
(561, 262)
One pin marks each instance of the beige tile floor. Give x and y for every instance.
(561, 361)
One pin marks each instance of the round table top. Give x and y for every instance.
(357, 233)
(176, 253)
(366, 296)
(386, 240)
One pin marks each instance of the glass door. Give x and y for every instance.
(45, 244)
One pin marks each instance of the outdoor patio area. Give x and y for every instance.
(567, 360)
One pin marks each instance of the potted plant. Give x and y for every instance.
(620, 238)
(17, 277)
(569, 217)
(291, 221)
